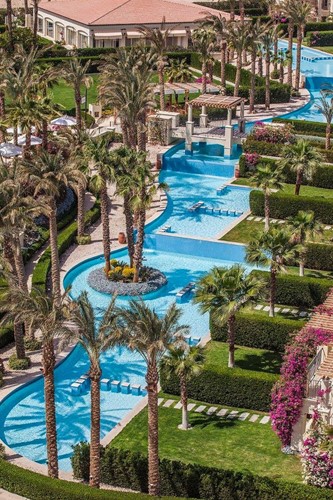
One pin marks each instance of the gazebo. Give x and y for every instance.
(217, 102)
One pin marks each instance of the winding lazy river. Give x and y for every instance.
(184, 254)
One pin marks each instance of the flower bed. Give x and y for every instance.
(153, 280)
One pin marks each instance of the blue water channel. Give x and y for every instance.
(184, 254)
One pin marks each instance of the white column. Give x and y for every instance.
(241, 121)
(189, 128)
(229, 118)
(203, 117)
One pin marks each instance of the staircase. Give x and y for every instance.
(326, 367)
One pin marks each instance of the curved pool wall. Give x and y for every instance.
(181, 258)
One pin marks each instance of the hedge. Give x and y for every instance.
(318, 26)
(257, 330)
(65, 239)
(322, 177)
(128, 469)
(262, 147)
(320, 38)
(299, 291)
(38, 487)
(238, 388)
(284, 205)
(304, 127)
(6, 336)
(319, 256)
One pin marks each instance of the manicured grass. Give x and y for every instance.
(290, 189)
(214, 441)
(63, 94)
(262, 361)
(243, 232)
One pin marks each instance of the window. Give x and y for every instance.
(40, 25)
(108, 42)
(71, 36)
(49, 29)
(83, 41)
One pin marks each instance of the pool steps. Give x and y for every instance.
(185, 291)
(200, 205)
(106, 384)
(165, 229)
(196, 206)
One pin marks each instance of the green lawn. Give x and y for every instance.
(246, 358)
(63, 94)
(214, 441)
(243, 232)
(290, 188)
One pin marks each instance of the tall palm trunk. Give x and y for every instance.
(272, 293)
(162, 86)
(142, 134)
(301, 266)
(298, 56)
(140, 238)
(44, 134)
(153, 462)
(35, 20)
(105, 226)
(260, 65)
(267, 80)
(281, 71)
(78, 110)
(129, 227)
(55, 264)
(231, 341)
(223, 63)
(290, 50)
(299, 180)
(275, 47)
(183, 397)
(18, 327)
(328, 135)
(50, 411)
(238, 74)
(241, 11)
(267, 211)
(2, 114)
(9, 14)
(204, 77)
(26, 7)
(253, 80)
(80, 210)
(95, 428)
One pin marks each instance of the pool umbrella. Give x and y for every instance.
(64, 121)
(9, 150)
(10, 130)
(35, 141)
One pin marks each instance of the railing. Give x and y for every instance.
(313, 366)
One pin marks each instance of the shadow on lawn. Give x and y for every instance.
(205, 420)
(269, 362)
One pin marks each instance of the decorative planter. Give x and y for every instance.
(121, 238)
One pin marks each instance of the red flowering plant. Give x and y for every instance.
(270, 133)
(317, 453)
(252, 160)
(288, 393)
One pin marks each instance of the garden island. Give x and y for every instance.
(166, 237)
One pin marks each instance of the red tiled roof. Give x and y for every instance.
(123, 12)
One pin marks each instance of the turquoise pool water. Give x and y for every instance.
(181, 257)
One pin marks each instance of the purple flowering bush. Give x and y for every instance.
(317, 454)
(288, 393)
(270, 133)
(252, 160)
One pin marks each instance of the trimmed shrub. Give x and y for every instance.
(320, 38)
(318, 26)
(258, 330)
(304, 292)
(262, 147)
(128, 469)
(284, 205)
(319, 256)
(304, 127)
(38, 487)
(32, 344)
(18, 364)
(80, 461)
(239, 388)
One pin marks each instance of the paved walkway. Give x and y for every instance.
(5, 495)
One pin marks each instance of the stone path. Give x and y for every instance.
(5, 495)
(211, 411)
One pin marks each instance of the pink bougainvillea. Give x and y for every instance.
(270, 133)
(251, 160)
(288, 393)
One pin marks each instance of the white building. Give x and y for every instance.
(113, 23)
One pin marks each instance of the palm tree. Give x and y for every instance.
(303, 227)
(256, 32)
(9, 14)
(300, 11)
(287, 9)
(239, 39)
(269, 180)
(218, 23)
(46, 314)
(95, 337)
(326, 109)
(267, 40)
(157, 38)
(126, 86)
(49, 174)
(274, 249)
(76, 75)
(303, 159)
(96, 151)
(35, 4)
(178, 71)
(223, 292)
(203, 40)
(184, 362)
(141, 329)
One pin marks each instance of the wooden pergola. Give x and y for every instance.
(185, 88)
(217, 101)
